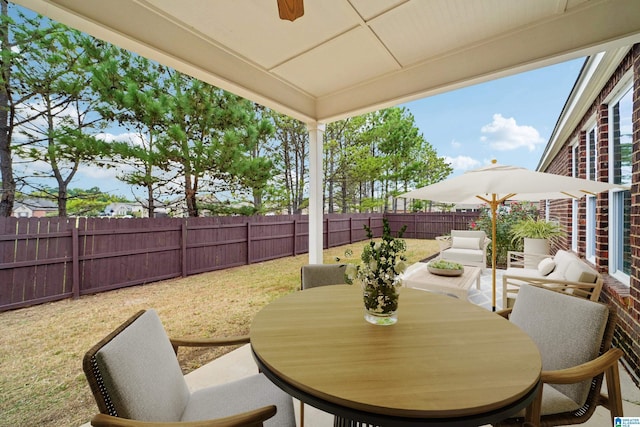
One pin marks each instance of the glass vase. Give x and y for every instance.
(380, 304)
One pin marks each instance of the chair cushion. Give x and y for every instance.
(246, 394)
(130, 364)
(578, 271)
(463, 255)
(567, 330)
(313, 275)
(465, 243)
(554, 402)
(546, 266)
(478, 234)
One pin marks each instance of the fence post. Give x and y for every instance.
(248, 243)
(183, 247)
(350, 229)
(75, 262)
(295, 237)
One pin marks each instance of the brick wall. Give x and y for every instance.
(625, 299)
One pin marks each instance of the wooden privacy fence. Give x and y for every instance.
(48, 259)
(428, 225)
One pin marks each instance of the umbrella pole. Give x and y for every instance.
(494, 210)
(494, 203)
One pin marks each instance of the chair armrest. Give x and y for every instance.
(584, 371)
(591, 291)
(504, 313)
(444, 242)
(208, 342)
(253, 418)
(516, 259)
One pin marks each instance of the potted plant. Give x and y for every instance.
(536, 234)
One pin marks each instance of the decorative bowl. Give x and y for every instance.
(440, 268)
(445, 271)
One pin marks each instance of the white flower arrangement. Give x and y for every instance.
(379, 272)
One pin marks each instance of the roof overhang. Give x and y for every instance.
(595, 74)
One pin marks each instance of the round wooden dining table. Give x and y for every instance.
(446, 361)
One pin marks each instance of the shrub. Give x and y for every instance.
(507, 217)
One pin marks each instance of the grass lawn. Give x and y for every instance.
(41, 347)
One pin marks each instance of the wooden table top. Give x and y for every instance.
(445, 358)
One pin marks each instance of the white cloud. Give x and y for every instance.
(505, 134)
(455, 144)
(97, 172)
(129, 137)
(461, 162)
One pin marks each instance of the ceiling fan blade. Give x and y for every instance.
(290, 9)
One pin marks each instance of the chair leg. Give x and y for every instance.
(613, 390)
(301, 413)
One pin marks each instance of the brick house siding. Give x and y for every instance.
(625, 298)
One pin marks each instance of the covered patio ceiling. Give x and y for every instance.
(347, 57)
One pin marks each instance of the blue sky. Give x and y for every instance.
(509, 119)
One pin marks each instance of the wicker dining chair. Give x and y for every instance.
(136, 380)
(314, 275)
(574, 338)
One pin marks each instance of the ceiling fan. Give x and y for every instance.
(290, 9)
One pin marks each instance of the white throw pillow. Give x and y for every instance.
(546, 266)
(465, 242)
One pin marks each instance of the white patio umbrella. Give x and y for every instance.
(494, 184)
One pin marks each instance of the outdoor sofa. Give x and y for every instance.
(563, 272)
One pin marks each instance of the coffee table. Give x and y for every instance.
(418, 276)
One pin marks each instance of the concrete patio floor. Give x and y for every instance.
(240, 363)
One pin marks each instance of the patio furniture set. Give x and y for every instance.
(547, 370)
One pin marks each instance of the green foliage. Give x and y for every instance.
(371, 158)
(51, 100)
(187, 132)
(446, 265)
(535, 229)
(507, 217)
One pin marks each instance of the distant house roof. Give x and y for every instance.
(38, 204)
(34, 207)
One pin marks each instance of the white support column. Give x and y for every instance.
(316, 208)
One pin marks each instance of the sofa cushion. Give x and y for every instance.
(530, 273)
(578, 271)
(465, 243)
(546, 266)
(562, 259)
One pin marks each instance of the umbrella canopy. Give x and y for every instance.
(507, 183)
(494, 184)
